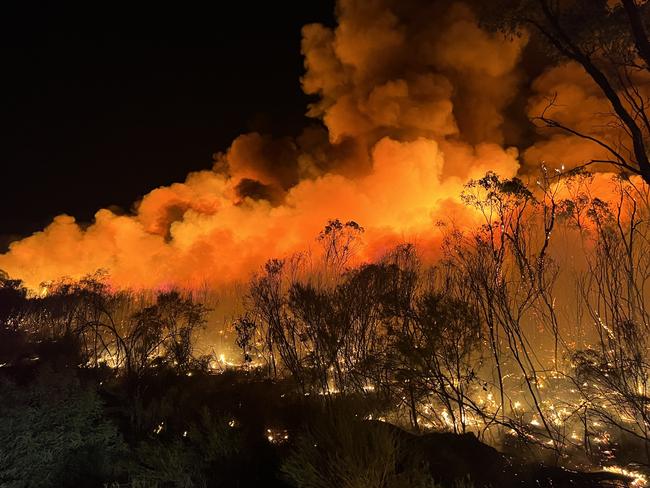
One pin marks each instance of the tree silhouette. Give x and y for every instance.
(610, 42)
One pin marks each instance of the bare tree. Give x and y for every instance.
(613, 375)
(609, 41)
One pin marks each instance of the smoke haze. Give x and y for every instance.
(413, 98)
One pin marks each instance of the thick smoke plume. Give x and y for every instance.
(414, 99)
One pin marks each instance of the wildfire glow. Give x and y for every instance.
(639, 479)
(411, 110)
(398, 144)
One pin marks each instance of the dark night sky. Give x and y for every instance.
(102, 102)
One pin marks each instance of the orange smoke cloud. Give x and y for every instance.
(385, 71)
(565, 93)
(220, 239)
(412, 97)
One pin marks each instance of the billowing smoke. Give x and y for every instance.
(413, 99)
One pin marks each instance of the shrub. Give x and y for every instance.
(348, 453)
(188, 460)
(53, 433)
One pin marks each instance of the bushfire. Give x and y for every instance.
(416, 246)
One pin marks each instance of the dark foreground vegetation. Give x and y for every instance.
(66, 425)
(388, 374)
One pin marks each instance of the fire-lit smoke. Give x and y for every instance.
(414, 98)
(567, 95)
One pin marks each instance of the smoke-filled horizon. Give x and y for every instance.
(413, 99)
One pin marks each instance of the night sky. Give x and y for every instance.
(102, 101)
